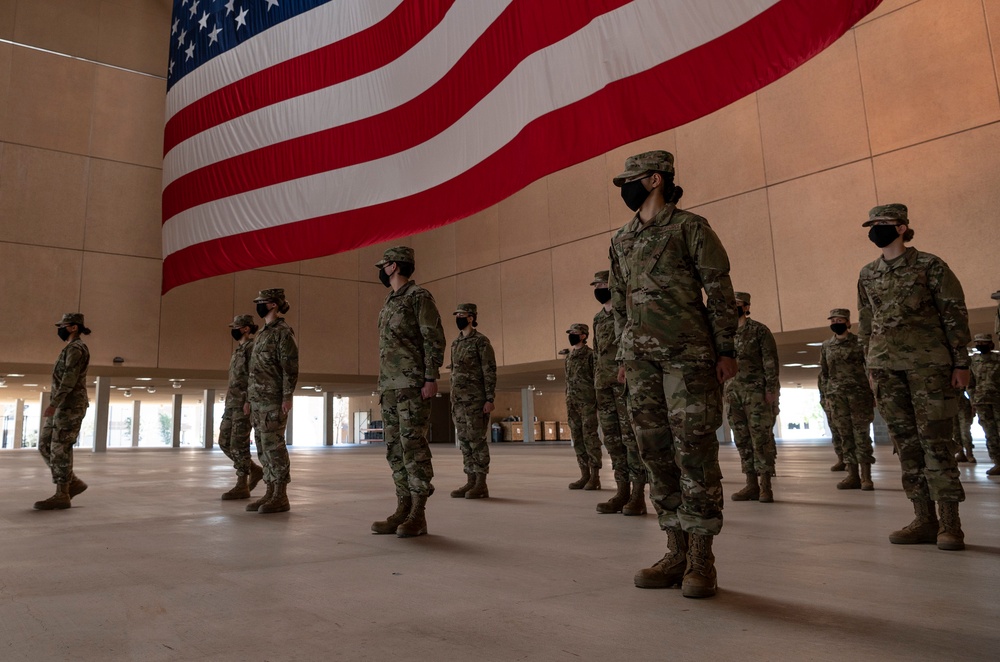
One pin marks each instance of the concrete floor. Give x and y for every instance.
(150, 565)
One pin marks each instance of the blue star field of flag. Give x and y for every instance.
(203, 29)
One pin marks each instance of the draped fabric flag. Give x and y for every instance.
(302, 128)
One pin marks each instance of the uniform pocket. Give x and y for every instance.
(934, 394)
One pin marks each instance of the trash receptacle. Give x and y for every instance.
(497, 433)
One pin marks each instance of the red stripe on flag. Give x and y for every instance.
(348, 58)
(680, 90)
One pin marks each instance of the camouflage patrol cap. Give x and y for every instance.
(890, 212)
(983, 338)
(639, 165)
(743, 296)
(396, 254)
(71, 318)
(579, 328)
(275, 294)
(563, 352)
(601, 277)
(241, 320)
(840, 312)
(995, 295)
(466, 309)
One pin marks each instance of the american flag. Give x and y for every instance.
(302, 128)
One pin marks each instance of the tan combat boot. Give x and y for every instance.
(584, 478)
(668, 571)
(839, 466)
(968, 453)
(960, 456)
(950, 536)
(278, 503)
(866, 477)
(470, 482)
(618, 501)
(923, 528)
(256, 473)
(392, 522)
(994, 470)
(595, 479)
(766, 494)
(253, 506)
(415, 523)
(852, 481)
(749, 493)
(479, 490)
(700, 580)
(239, 491)
(58, 501)
(76, 486)
(637, 501)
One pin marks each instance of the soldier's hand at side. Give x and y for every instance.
(49, 412)
(286, 406)
(960, 377)
(725, 369)
(621, 374)
(246, 409)
(429, 390)
(488, 408)
(770, 398)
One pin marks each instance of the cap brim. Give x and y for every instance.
(995, 295)
(598, 282)
(627, 177)
(871, 221)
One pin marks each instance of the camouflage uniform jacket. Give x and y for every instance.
(274, 365)
(605, 350)
(912, 314)
(69, 377)
(580, 377)
(410, 339)
(473, 368)
(658, 272)
(842, 366)
(984, 384)
(239, 375)
(757, 357)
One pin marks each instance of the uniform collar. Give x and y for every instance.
(904, 260)
(401, 291)
(662, 219)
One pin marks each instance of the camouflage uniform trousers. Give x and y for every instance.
(989, 418)
(583, 430)
(961, 430)
(853, 417)
(472, 426)
(918, 406)
(676, 411)
(269, 431)
(751, 418)
(838, 442)
(234, 439)
(55, 443)
(405, 419)
(619, 438)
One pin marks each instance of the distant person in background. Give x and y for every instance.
(984, 387)
(581, 409)
(234, 432)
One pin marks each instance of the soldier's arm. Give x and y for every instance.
(289, 356)
(950, 302)
(864, 318)
(488, 361)
(69, 378)
(617, 286)
(712, 263)
(971, 388)
(769, 355)
(433, 336)
(824, 372)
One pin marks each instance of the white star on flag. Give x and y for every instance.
(241, 20)
(229, 7)
(170, 67)
(194, 8)
(181, 38)
(189, 52)
(271, 3)
(203, 21)
(213, 36)
(173, 28)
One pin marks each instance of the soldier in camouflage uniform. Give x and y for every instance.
(411, 351)
(274, 372)
(915, 327)
(838, 443)
(68, 404)
(842, 376)
(234, 432)
(984, 387)
(752, 396)
(473, 387)
(675, 319)
(581, 409)
(961, 430)
(612, 411)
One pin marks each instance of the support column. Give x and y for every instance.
(175, 421)
(880, 430)
(18, 423)
(288, 426)
(208, 418)
(528, 414)
(328, 431)
(136, 406)
(43, 403)
(103, 404)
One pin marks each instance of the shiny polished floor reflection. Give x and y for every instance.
(149, 565)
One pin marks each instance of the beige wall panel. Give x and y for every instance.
(953, 204)
(340, 265)
(573, 267)
(578, 202)
(916, 88)
(524, 221)
(435, 253)
(992, 8)
(7, 8)
(328, 333)
(286, 268)
(63, 26)
(819, 244)
(371, 298)
(618, 213)
(128, 117)
(50, 102)
(121, 298)
(802, 131)
(40, 284)
(720, 155)
(887, 7)
(207, 344)
(123, 212)
(444, 292)
(249, 283)
(369, 255)
(477, 240)
(482, 287)
(744, 225)
(43, 197)
(6, 55)
(528, 317)
(132, 35)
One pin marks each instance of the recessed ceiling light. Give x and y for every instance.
(176, 380)
(814, 344)
(802, 351)
(811, 365)
(30, 384)
(15, 374)
(143, 379)
(791, 365)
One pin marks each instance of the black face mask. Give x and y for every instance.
(262, 309)
(741, 311)
(602, 294)
(634, 194)
(839, 328)
(63, 333)
(574, 339)
(461, 323)
(984, 349)
(384, 277)
(882, 235)
(237, 334)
